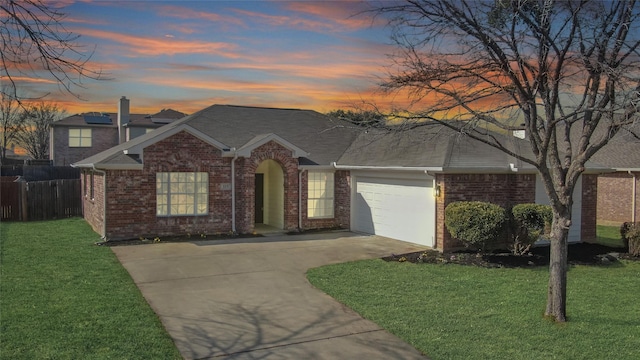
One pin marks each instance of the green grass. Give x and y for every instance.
(62, 297)
(609, 235)
(462, 312)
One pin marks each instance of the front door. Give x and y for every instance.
(259, 186)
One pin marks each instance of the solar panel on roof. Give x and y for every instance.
(97, 119)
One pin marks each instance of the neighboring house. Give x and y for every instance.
(82, 135)
(618, 195)
(227, 168)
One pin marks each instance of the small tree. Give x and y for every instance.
(9, 120)
(477, 224)
(529, 223)
(35, 124)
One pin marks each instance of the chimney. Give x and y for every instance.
(123, 118)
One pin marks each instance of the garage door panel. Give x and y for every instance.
(395, 208)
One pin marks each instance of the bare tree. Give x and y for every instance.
(35, 124)
(36, 44)
(9, 120)
(360, 117)
(566, 71)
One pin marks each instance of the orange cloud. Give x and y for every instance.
(186, 13)
(349, 15)
(147, 46)
(283, 20)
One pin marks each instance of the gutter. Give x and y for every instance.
(383, 168)
(300, 199)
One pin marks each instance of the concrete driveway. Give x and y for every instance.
(250, 299)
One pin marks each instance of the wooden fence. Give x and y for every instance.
(40, 200)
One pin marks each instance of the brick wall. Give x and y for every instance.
(589, 207)
(93, 207)
(131, 194)
(245, 185)
(502, 189)
(102, 138)
(614, 198)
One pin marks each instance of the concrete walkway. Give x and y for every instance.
(250, 299)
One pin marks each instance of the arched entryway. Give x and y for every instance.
(269, 194)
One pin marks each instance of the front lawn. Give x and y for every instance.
(62, 297)
(465, 312)
(609, 236)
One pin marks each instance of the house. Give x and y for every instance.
(82, 135)
(227, 168)
(618, 195)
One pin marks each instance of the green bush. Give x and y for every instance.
(477, 224)
(529, 223)
(630, 233)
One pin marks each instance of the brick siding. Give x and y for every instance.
(502, 189)
(615, 193)
(589, 207)
(131, 194)
(102, 138)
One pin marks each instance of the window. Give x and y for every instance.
(320, 195)
(79, 137)
(182, 193)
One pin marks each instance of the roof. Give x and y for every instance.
(135, 120)
(433, 146)
(623, 151)
(317, 138)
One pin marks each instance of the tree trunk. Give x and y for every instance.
(558, 265)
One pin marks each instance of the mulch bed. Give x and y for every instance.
(579, 254)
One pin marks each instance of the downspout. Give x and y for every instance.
(633, 196)
(300, 199)
(104, 200)
(233, 190)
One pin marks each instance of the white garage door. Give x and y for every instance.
(397, 208)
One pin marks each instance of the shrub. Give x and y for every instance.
(630, 233)
(624, 229)
(529, 223)
(477, 224)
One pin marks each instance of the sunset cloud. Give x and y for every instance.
(147, 46)
(189, 55)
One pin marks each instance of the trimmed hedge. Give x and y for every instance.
(477, 224)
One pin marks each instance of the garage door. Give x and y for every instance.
(397, 208)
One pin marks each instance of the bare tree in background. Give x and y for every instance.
(35, 124)
(35, 44)
(9, 120)
(566, 71)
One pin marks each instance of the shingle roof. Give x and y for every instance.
(324, 138)
(432, 145)
(623, 151)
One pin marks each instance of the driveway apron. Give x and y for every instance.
(250, 299)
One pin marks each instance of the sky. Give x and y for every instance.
(188, 55)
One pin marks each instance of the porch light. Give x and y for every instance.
(436, 191)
